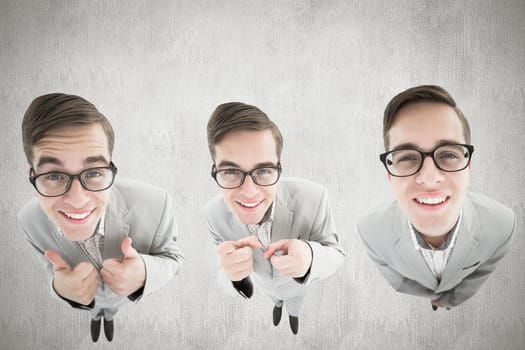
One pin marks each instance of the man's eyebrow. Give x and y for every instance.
(405, 145)
(229, 164)
(226, 163)
(49, 160)
(95, 159)
(55, 161)
(447, 142)
(410, 145)
(265, 165)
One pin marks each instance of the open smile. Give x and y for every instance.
(250, 206)
(431, 203)
(77, 217)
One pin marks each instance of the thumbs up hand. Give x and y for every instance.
(127, 275)
(79, 284)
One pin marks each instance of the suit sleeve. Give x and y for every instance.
(242, 288)
(397, 281)
(327, 253)
(471, 284)
(164, 259)
(39, 253)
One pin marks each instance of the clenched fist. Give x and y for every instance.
(237, 258)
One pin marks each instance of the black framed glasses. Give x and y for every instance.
(55, 183)
(233, 178)
(408, 161)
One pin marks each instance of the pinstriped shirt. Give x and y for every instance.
(263, 230)
(94, 245)
(435, 257)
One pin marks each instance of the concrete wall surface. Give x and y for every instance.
(323, 71)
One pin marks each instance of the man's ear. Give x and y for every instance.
(469, 169)
(31, 172)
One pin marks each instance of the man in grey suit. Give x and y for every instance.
(102, 243)
(436, 240)
(276, 234)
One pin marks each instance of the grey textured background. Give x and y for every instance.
(323, 70)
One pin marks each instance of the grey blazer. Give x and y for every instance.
(302, 212)
(138, 210)
(483, 238)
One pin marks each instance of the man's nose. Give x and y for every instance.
(429, 174)
(249, 187)
(77, 195)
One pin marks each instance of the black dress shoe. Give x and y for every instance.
(108, 329)
(95, 330)
(277, 312)
(294, 324)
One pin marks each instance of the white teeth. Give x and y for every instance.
(77, 216)
(250, 205)
(434, 200)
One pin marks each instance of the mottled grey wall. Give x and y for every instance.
(323, 70)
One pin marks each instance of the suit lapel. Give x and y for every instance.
(282, 216)
(413, 258)
(466, 243)
(239, 230)
(69, 250)
(116, 228)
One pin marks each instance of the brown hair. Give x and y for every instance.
(423, 93)
(55, 111)
(237, 116)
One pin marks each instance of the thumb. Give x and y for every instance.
(250, 241)
(274, 247)
(57, 261)
(128, 251)
(226, 248)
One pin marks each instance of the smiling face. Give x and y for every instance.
(247, 150)
(432, 199)
(72, 150)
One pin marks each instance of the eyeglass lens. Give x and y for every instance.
(447, 158)
(55, 184)
(231, 178)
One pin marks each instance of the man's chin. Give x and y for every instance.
(432, 227)
(432, 223)
(249, 219)
(249, 222)
(76, 236)
(77, 233)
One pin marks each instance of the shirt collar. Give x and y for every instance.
(101, 225)
(268, 216)
(419, 242)
(271, 210)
